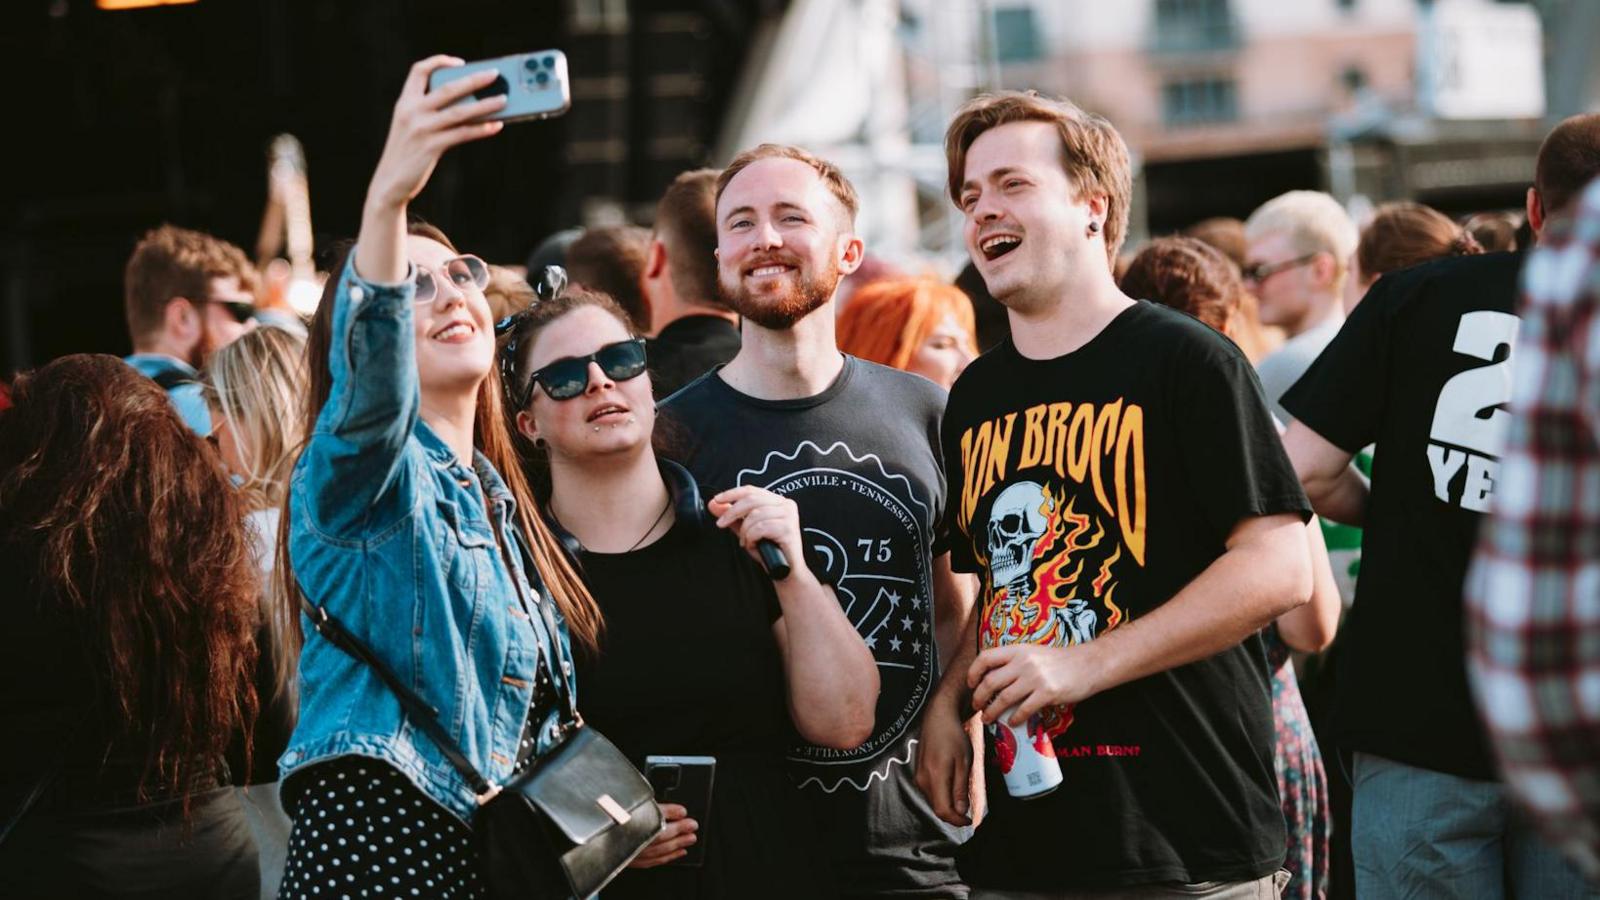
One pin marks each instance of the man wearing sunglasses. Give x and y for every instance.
(855, 446)
(185, 294)
(1298, 256)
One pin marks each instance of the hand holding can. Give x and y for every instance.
(1027, 758)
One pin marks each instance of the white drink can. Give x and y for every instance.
(1027, 758)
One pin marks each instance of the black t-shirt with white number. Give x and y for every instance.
(861, 460)
(1422, 369)
(1087, 490)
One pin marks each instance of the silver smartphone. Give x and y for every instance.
(535, 84)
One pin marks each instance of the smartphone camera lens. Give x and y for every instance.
(550, 62)
(531, 64)
(543, 78)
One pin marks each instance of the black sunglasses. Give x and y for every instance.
(1262, 271)
(568, 377)
(242, 311)
(462, 271)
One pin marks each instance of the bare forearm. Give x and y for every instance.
(1341, 497)
(1311, 627)
(832, 677)
(381, 245)
(1237, 595)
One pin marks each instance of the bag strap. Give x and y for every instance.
(426, 717)
(558, 681)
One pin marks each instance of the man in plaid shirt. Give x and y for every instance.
(1534, 596)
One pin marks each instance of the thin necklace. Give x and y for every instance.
(651, 530)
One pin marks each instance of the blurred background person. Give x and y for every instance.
(1226, 234)
(185, 294)
(639, 528)
(127, 659)
(256, 389)
(1495, 232)
(611, 259)
(1299, 252)
(917, 325)
(694, 330)
(1191, 276)
(552, 251)
(1402, 235)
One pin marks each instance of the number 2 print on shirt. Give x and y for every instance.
(1470, 420)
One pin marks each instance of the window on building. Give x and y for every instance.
(1199, 101)
(1016, 35)
(1189, 25)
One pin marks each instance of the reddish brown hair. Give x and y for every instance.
(170, 262)
(1402, 235)
(491, 437)
(1092, 152)
(886, 321)
(137, 537)
(1190, 275)
(838, 185)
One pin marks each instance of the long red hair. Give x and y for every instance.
(136, 536)
(886, 321)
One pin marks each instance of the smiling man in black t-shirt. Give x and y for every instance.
(1117, 482)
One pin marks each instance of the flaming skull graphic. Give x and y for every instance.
(1050, 576)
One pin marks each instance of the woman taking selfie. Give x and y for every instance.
(410, 524)
(128, 649)
(703, 654)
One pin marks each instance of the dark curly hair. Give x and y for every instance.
(138, 538)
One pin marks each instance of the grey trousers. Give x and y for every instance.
(1268, 888)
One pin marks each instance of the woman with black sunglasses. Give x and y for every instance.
(702, 654)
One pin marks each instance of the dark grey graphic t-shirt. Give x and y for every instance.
(861, 460)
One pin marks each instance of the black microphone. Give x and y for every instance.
(772, 558)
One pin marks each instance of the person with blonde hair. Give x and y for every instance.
(917, 325)
(255, 389)
(1297, 262)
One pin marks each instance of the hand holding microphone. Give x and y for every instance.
(767, 525)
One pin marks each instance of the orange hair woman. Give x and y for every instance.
(918, 325)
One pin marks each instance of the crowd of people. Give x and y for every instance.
(739, 491)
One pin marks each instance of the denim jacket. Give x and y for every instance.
(391, 534)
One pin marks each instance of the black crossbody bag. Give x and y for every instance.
(563, 828)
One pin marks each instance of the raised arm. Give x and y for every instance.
(372, 404)
(832, 677)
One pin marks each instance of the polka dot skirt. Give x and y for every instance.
(362, 829)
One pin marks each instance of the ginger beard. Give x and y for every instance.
(781, 302)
